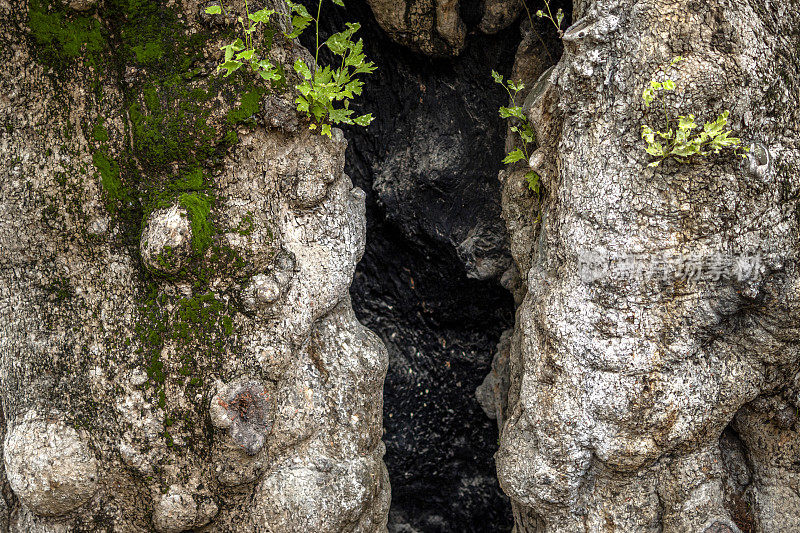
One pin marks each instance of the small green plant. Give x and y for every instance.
(680, 141)
(325, 93)
(521, 126)
(238, 53)
(556, 20)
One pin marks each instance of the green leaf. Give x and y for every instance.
(304, 88)
(559, 17)
(301, 68)
(655, 149)
(354, 88)
(648, 95)
(246, 55)
(231, 49)
(669, 85)
(302, 104)
(298, 8)
(338, 43)
(230, 67)
(648, 135)
(686, 123)
(508, 112)
(533, 181)
(214, 10)
(684, 150)
(300, 21)
(339, 116)
(262, 15)
(364, 120)
(497, 77)
(654, 164)
(366, 68)
(514, 156)
(326, 128)
(338, 2)
(268, 71)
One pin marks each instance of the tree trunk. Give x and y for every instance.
(653, 370)
(178, 348)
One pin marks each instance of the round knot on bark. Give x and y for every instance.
(720, 527)
(243, 407)
(174, 511)
(264, 293)
(166, 243)
(759, 160)
(49, 466)
(261, 293)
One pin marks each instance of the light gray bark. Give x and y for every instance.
(622, 385)
(147, 386)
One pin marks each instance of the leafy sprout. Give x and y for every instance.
(556, 20)
(684, 139)
(239, 52)
(521, 126)
(325, 93)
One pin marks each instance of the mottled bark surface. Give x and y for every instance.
(437, 27)
(653, 400)
(177, 345)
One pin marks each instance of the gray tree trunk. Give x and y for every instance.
(656, 387)
(177, 345)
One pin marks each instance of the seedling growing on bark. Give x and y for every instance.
(521, 126)
(325, 93)
(556, 20)
(680, 141)
(240, 53)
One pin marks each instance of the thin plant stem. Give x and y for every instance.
(530, 19)
(316, 23)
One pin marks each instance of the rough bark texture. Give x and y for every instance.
(641, 401)
(178, 348)
(437, 27)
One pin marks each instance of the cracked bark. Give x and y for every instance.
(113, 345)
(653, 403)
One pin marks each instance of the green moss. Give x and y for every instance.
(64, 36)
(110, 177)
(99, 132)
(151, 330)
(249, 106)
(174, 130)
(227, 325)
(199, 208)
(199, 315)
(192, 180)
(148, 52)
(165, 258)
(230, 138)
(245, 227)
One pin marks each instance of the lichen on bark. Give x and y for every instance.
(115, 337)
